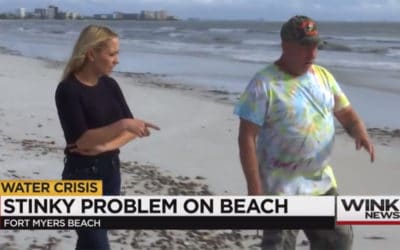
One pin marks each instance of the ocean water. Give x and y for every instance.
(224, 55)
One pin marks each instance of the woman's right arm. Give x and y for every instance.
(93, 137)
(114, 144)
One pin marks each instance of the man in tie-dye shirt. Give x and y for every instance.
(287, 131)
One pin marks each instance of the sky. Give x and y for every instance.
(274, 10)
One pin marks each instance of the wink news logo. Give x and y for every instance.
(376, 208)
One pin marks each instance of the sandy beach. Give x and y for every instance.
(191, 155)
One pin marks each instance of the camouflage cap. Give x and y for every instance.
(300, 29)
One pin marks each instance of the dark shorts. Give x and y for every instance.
(340, 238)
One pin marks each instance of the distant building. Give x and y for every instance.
(147, 15)
(68, 15)
(74, 15)
(161, 15)
(103, 16)
(40, 13)
(21, 13)
(52, 12)
(62, 15)
(131, 16)
(125, 16)
(118, 15)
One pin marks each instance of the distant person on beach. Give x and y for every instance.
(95, 118)
(287, 131)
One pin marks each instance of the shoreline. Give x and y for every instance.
(351, 79)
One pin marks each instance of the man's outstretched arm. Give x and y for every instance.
(354, 126)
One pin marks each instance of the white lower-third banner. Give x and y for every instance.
(167, 212)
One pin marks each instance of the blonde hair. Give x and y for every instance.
(91, 37)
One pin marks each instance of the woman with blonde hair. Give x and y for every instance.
(95, 118)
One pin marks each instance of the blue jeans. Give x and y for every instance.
(105, 168)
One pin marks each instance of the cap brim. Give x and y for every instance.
(311, 41)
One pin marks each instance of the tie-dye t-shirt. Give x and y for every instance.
(296, 119)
